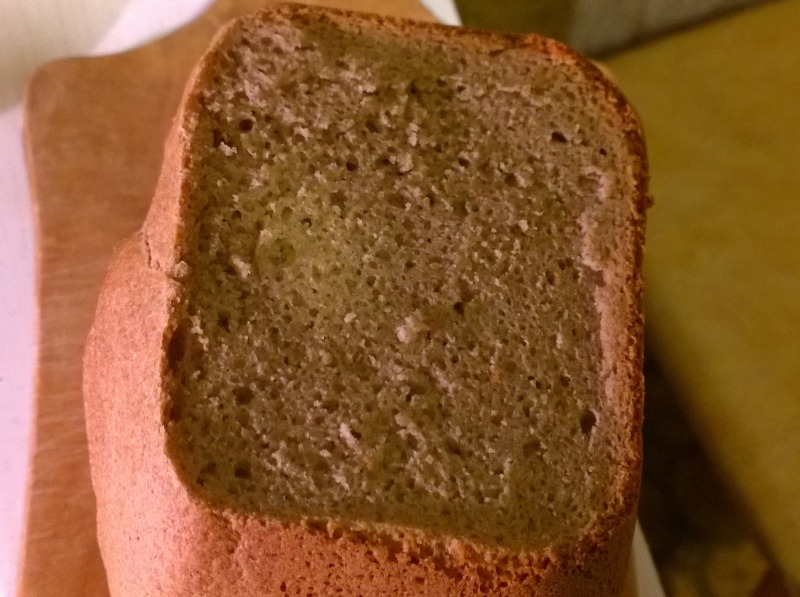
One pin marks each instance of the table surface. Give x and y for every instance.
(39, 31)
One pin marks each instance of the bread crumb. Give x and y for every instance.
(242, 268)
(347, 435)
(404, 163)
(409, 329)
(227, 149)
(181, 270)
(303, 132)
(341, 480)
(412, 132)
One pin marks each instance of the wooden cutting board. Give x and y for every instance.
(721, 109)
(94, 130)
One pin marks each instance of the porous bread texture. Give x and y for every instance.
(390, 311)
(403, 263)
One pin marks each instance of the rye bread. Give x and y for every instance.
(381, 332)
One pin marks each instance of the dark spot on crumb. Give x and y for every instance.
(243, 395)
(588, 421)
(242, 470)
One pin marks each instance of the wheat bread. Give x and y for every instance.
(381, 332)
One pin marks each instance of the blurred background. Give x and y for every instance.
(593, 26)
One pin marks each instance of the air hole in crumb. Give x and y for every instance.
(224, 321)
(217, 138)
(511, 179)
(243, 395)
(458, 307)
(246, 125)
(175, 412)
(531, 447)
(209, 469)
(565, 381)
(588, 421)
(603, 152)
(453, 447)
(242, 470)
(177, 346)
(351, 164)
(396, 201)
(460, 207)
(463, 162)
(558, 137)
(331, 405)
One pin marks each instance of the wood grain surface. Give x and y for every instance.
(94, 131)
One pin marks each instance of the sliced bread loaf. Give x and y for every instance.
(381, 331)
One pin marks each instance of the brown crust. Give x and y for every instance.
(157, 538)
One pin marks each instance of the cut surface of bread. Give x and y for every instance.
(404, 263)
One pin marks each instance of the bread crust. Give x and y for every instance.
(158, 538)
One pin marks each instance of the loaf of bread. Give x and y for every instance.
(381, 332)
